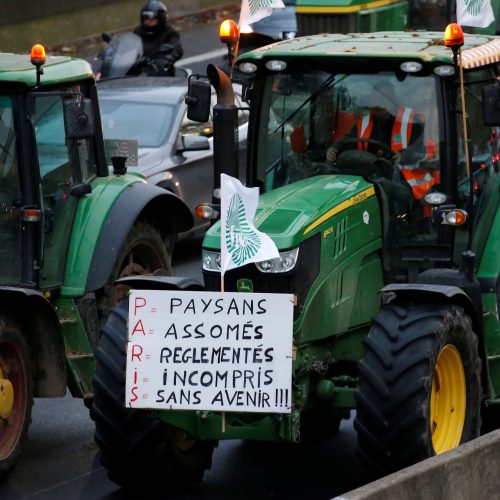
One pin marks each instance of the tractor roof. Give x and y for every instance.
(423, 45)
(15, 68)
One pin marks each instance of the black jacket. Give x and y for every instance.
(151, 42)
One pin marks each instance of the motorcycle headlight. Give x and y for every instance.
(284, 263)
(211, 260)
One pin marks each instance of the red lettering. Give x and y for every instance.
(136, 352)
(135, 396)
(135, 376)
(138, 303)
(138, 328)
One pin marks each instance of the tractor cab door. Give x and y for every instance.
(64, 163)
(484, 147)
(11, 262)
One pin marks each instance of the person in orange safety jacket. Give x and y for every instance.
(401, 129)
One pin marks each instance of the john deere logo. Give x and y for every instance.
(244, 286)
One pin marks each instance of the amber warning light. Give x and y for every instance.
(38, 56)
(38, 59)
(453, 36)
(228, 32)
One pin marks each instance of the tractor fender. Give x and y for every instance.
(420, 292)
(152, 282)
(44, 336)
(146, 202)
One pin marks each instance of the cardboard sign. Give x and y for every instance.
(209, 351)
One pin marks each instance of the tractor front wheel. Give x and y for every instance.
(419, 391)
(16, 393)
(137, 448)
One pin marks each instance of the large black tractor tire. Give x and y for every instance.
(137, 449)
(144, 252)
(419, 386)
(16, 393)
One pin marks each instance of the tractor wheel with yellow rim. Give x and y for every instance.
(16, 393)
(419, 391)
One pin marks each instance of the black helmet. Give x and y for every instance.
(154, 9)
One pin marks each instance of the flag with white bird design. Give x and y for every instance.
(254, 10)
(241, 242)
(476, 13)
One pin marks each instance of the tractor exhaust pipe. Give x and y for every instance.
(225, 121)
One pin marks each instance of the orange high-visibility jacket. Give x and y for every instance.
(401, 129)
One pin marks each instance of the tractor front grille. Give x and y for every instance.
(297, 282)
(311, 24)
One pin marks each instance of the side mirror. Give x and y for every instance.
(78, 118)
(491, 105)
(194, 142)
(198, 100)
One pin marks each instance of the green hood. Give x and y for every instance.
(292, 213)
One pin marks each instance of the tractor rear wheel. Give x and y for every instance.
(16, 393)
(138, 449)
(419, 389)
(143, 252)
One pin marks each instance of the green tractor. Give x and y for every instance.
(68, 231)
(360, 16)
(395, 278)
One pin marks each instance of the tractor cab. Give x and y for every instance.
(46, 162)
(345, 111)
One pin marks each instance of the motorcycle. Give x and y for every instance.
(123, 55)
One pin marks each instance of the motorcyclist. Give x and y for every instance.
(160, 40)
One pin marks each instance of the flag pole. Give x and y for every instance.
(465, 115)
(223, 415)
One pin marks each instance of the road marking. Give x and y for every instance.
(201, 57)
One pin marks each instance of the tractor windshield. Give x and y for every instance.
(314, 121)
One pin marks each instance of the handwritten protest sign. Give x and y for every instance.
(210, 351)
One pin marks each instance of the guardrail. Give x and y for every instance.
(467, 472)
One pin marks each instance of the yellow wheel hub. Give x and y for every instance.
(448, 400)
(182, 440)
(6, 396)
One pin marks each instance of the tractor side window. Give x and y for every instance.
(484, 141)
(10, 199)
(53, 154)
(484, 149)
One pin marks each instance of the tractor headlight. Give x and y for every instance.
(211, 260)
(284, 263)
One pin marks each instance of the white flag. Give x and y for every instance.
(241, 243)
(476, 13)
(254, 10)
